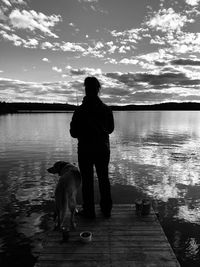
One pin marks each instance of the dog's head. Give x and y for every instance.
(58, 167)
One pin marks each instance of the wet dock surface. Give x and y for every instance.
(123, 240)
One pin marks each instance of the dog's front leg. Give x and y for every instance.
(57, 219)
(72, 207)
(72, 219)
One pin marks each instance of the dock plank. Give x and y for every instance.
(123, 240)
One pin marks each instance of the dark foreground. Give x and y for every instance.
(125, 239)
(17, 249)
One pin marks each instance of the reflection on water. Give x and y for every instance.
(158, 152)
(154, 152)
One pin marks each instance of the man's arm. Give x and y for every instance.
(74, 125)
(111, 125)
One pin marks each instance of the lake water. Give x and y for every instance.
(154, 153)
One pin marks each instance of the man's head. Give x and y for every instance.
(92, 86)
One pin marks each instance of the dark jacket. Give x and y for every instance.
(92, 122)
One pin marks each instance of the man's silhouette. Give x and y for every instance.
(92, 122)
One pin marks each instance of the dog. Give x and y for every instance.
(65, 193)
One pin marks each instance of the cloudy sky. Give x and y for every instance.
(142, 51)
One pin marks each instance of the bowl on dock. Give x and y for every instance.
(86, 237)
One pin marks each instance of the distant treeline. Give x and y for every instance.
(161, 106)
(16, 107)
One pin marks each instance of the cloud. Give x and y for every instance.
(97, 50)
(123, 49)
(71, 47)
(131, 36)
(117, 88)
(178, 42)
(83, 71)
(77, 72)
(157, 40)
(88, 1)
(160, 55)
(167, 20)
(45, 59)
(160, 63)
(16, 90)
(31, 20)
(36, 21)
(18, 41)
(6, 2)
(185, 62)
(185, 42)
(59, 70)
(93, 5)
(127, 79)
(128, 61)
(63, 46)
(111, 47)
(116, 91)
(47, 45)
(31, 43)
(190, 82)
(192, 2)
(18, 2)
(5, 27)
(161, 80)
(10, 2)
(3, 17)
(111, 60)
(153, 97)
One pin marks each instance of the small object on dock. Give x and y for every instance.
(65, 234)
(138, 206)
(146, 206)
(142, 206)
(86, 237)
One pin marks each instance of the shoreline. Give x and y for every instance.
(20, 107)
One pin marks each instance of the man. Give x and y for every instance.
(91, 124)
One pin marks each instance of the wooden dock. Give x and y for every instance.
(123, 240)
